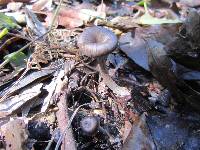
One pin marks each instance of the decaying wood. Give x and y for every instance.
(63, 118)
(68, 142)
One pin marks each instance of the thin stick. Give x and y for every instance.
(19, 36)
(63, 119)
(56, 14)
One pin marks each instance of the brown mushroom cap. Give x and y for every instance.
(96, 41)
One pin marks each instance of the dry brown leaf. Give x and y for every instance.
(101, 9)
(3, 2)
(13, 103)
(41, 4)
(127, 130)
(69, 18)
(14, 6)
(85, 5)
(127, 22)
(67, 22)
(139, 137)
(51, 88)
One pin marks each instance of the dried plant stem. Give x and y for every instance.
(56, 14)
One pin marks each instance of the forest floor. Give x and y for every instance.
(91, 74)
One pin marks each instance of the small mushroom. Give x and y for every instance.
(89, 125)
(97, 41)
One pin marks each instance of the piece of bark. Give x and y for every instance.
(62, 91)
(139, 137)
(68, 142)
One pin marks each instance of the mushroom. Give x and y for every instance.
(89, 125)
(97, 42)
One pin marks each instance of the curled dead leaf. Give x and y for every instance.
(68, 18)
(3, 2)
(101, 9)
(139, 137)
(72, 18)
(41, 4)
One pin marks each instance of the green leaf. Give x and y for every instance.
(147, 19)
(16, 59)
(142, 2)
(7, 22)
(3, 32)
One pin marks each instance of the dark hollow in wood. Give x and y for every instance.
(96, 41)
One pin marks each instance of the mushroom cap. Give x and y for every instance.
(96, 41)
(89, 125)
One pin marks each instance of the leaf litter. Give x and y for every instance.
(140, 96)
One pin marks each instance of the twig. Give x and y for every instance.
(56, 14)
(19, 36)
(52, 139)
(63, 119)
